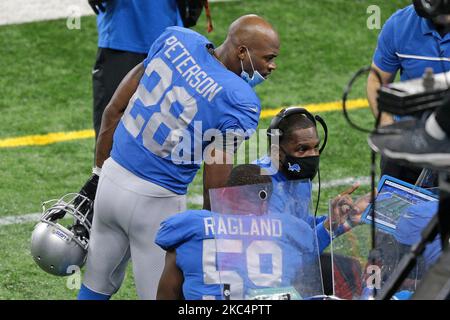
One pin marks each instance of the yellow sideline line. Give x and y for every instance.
(321, 107)
(39, 140)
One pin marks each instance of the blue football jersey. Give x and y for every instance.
(244, 251)
(294, 197)
(185, 100)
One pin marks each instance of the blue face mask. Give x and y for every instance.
(256, 79)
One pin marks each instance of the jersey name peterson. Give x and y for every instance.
(186, 65)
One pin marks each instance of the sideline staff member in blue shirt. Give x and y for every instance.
(294, 160)
(408, 43)
(126, 31)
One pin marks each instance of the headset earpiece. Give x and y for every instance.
(274, 129)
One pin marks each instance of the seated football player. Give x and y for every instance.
(294, 158)
(241, 249)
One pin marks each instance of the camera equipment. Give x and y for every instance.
(414, 97)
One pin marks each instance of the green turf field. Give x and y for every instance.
(45, 86)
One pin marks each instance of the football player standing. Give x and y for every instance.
(152, 142)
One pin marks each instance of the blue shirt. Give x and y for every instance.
(410, 226)
(184, 95)
(286, 189)
(411, 44)
(133, 25)
(246, 251)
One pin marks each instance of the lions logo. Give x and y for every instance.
(295, 167)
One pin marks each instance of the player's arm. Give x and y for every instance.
(171, 282)
(114, 111)
(373, 84)
(219, 156)
(217, 169)
(386, 62)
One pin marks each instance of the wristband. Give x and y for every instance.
(97, 170)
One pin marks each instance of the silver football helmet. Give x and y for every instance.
(55, 248)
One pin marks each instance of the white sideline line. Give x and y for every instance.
(30, 217)
(24, 11)
(364, 181)
(197, 200)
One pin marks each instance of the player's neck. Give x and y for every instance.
(221, 53)
(442, 25)
(443, 30)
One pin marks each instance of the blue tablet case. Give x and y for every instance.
(394, 197)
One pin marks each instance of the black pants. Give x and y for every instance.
(111, 66)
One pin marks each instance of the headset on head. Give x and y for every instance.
(429, 9)
(275, 123)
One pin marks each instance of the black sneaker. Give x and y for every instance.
(413, 146)
(399, 127)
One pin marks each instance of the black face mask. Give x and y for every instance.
(300, 167)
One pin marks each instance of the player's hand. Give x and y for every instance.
(89, 189)
(361, 205)
(97, 5)
(386, 119)
(341, 208)
(57, 215)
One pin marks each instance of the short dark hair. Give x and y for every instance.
(292, 123)
(251, 174)
(247, 174)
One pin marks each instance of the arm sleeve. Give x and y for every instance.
(233, 136)
(176, 230)
(321, 219)
(231, 140)
(385, 56)
(323, 237)
(240, 122)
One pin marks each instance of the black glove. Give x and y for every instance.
(97, 5)
(89, 190)
(90, 187)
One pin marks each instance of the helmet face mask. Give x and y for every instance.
(55, 248)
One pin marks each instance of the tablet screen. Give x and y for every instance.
(394, 198)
